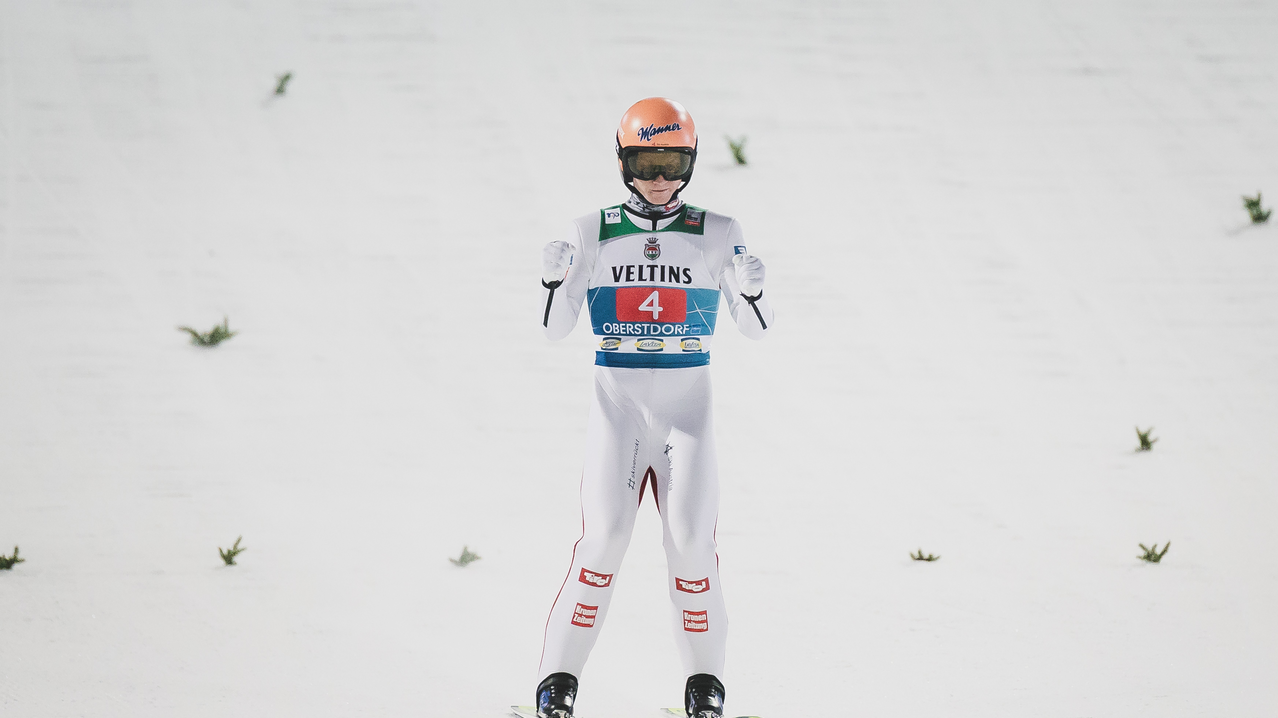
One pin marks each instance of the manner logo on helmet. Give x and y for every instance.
(649, 345)
(584, 615)
(694, 621)
(647, 133)
(694, 217)
(693, 586)
(612, 216)
(652, 250)
(610, 344)
(690, 345)
(598, 580)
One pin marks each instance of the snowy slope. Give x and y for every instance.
(998, 236)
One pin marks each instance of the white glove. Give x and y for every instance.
(555, 259)
(750, 273)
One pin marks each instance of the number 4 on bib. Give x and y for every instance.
(652, 304)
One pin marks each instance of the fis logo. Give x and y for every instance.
(693, 586)
(694, 621)
(652, 250)
(598, 580)
(584, 615)
(612, 216)
(647, 133)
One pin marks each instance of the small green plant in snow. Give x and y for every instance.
(920, 557)
(7, 562)
(1152, 554)
(738, 149)
(466, 557)
(281, 82)
(212, 337)
(1259, 215)
(1146, 443)
(228, 555)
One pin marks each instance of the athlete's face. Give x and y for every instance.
(657, 191)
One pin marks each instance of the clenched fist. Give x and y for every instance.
(555, 259)
(750, 273)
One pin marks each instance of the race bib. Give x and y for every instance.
(652, 304)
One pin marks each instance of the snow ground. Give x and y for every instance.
(999, 235)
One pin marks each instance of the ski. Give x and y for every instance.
(526, 711)
(684, 714)
(531, 712)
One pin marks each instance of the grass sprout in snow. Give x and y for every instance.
(738, 149)
(1146, 443)
(281, 82)
(7, 562)
(1153, 555)
(466, 557)
(228, 555)
(218, 334)
(920, 557)
(1259, 215)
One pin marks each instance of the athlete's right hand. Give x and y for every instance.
(555, 259)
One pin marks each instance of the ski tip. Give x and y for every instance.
(523, 711)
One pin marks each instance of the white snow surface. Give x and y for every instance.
(999, 235)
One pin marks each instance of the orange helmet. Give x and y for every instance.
(657, 122)
(657, 137)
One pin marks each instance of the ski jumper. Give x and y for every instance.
(652, 287)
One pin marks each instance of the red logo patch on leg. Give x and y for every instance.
(598, 580)
(695, 621)
(687, 586)
(584, 615)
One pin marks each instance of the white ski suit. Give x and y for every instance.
(653, 288)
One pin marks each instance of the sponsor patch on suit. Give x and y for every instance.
(598, 580)
(687, 586)
(584, 615)
(695, 621)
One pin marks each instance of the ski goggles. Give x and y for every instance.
(648, 163)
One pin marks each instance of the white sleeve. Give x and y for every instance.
(561, 303)
(753, 314)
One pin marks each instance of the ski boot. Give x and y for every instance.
(555, 695)
(703, 696)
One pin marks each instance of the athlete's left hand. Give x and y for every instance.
(750, 273)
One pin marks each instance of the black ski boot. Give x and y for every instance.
(703, 696)
(555, 695)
